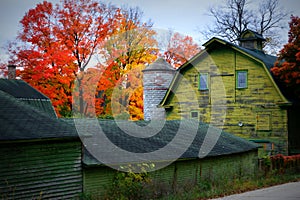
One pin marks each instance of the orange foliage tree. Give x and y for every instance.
(128, 50)
(287, 66)
(180, 49)
(56, 45)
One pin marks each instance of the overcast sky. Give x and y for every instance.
(183, 16)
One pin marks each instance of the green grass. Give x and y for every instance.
(203, 190)
(233, 187)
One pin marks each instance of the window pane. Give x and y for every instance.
(194, 114)
(241, 79)
(203, 82)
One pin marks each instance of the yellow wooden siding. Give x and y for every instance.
(242, 105)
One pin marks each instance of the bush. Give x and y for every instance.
(128, 185)
(281, 164)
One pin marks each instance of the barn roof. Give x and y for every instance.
(226, 143)
(20, 121)
(24, 92)
(268, 60)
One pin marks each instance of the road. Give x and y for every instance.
(288, 191)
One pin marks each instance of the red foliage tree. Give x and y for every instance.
(287, 66)
(180, 49)
(56, 45)
(3, 70)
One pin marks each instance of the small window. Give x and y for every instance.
(263, 122)
(241, 79)
(203, 81)
(194, 114)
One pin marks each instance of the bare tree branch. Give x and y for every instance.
(235, 16)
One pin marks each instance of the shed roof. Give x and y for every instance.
(24, 92)
(226, 143)
(20, 121)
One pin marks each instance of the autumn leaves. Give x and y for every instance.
(78, 52)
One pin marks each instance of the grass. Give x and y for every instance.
(234, 187)
(204, 189)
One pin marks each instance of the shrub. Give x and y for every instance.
(128, 185)
(281, 164)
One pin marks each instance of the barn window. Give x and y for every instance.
(241, 79)
(263, 121)
(203, 81)
(194, 114)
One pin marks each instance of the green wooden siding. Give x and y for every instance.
(97, 179)
(260, 98)
(218, 170)
(49, 170)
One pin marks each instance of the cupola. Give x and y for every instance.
(252, 40)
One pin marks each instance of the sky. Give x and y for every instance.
(186, 17)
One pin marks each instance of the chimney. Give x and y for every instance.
(11, 71)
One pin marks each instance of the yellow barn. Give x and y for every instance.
(231, 87)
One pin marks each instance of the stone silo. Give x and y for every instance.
(156, 81)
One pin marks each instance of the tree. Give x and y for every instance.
(128, 50)
(236, 16)
(3, 70)
(56, 43)
(132, 41)
(83, 26)
(287, 66)
(180, 49)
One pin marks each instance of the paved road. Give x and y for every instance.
(288, 191)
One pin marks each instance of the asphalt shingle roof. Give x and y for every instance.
(20, 121)
(24, 92)
(268, 60)
(225, 143)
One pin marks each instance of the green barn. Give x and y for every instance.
(212, 155)
(40, 154)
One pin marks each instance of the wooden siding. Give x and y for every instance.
(260, 98)
(215, 169)
(97, 179)
(43, 170)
